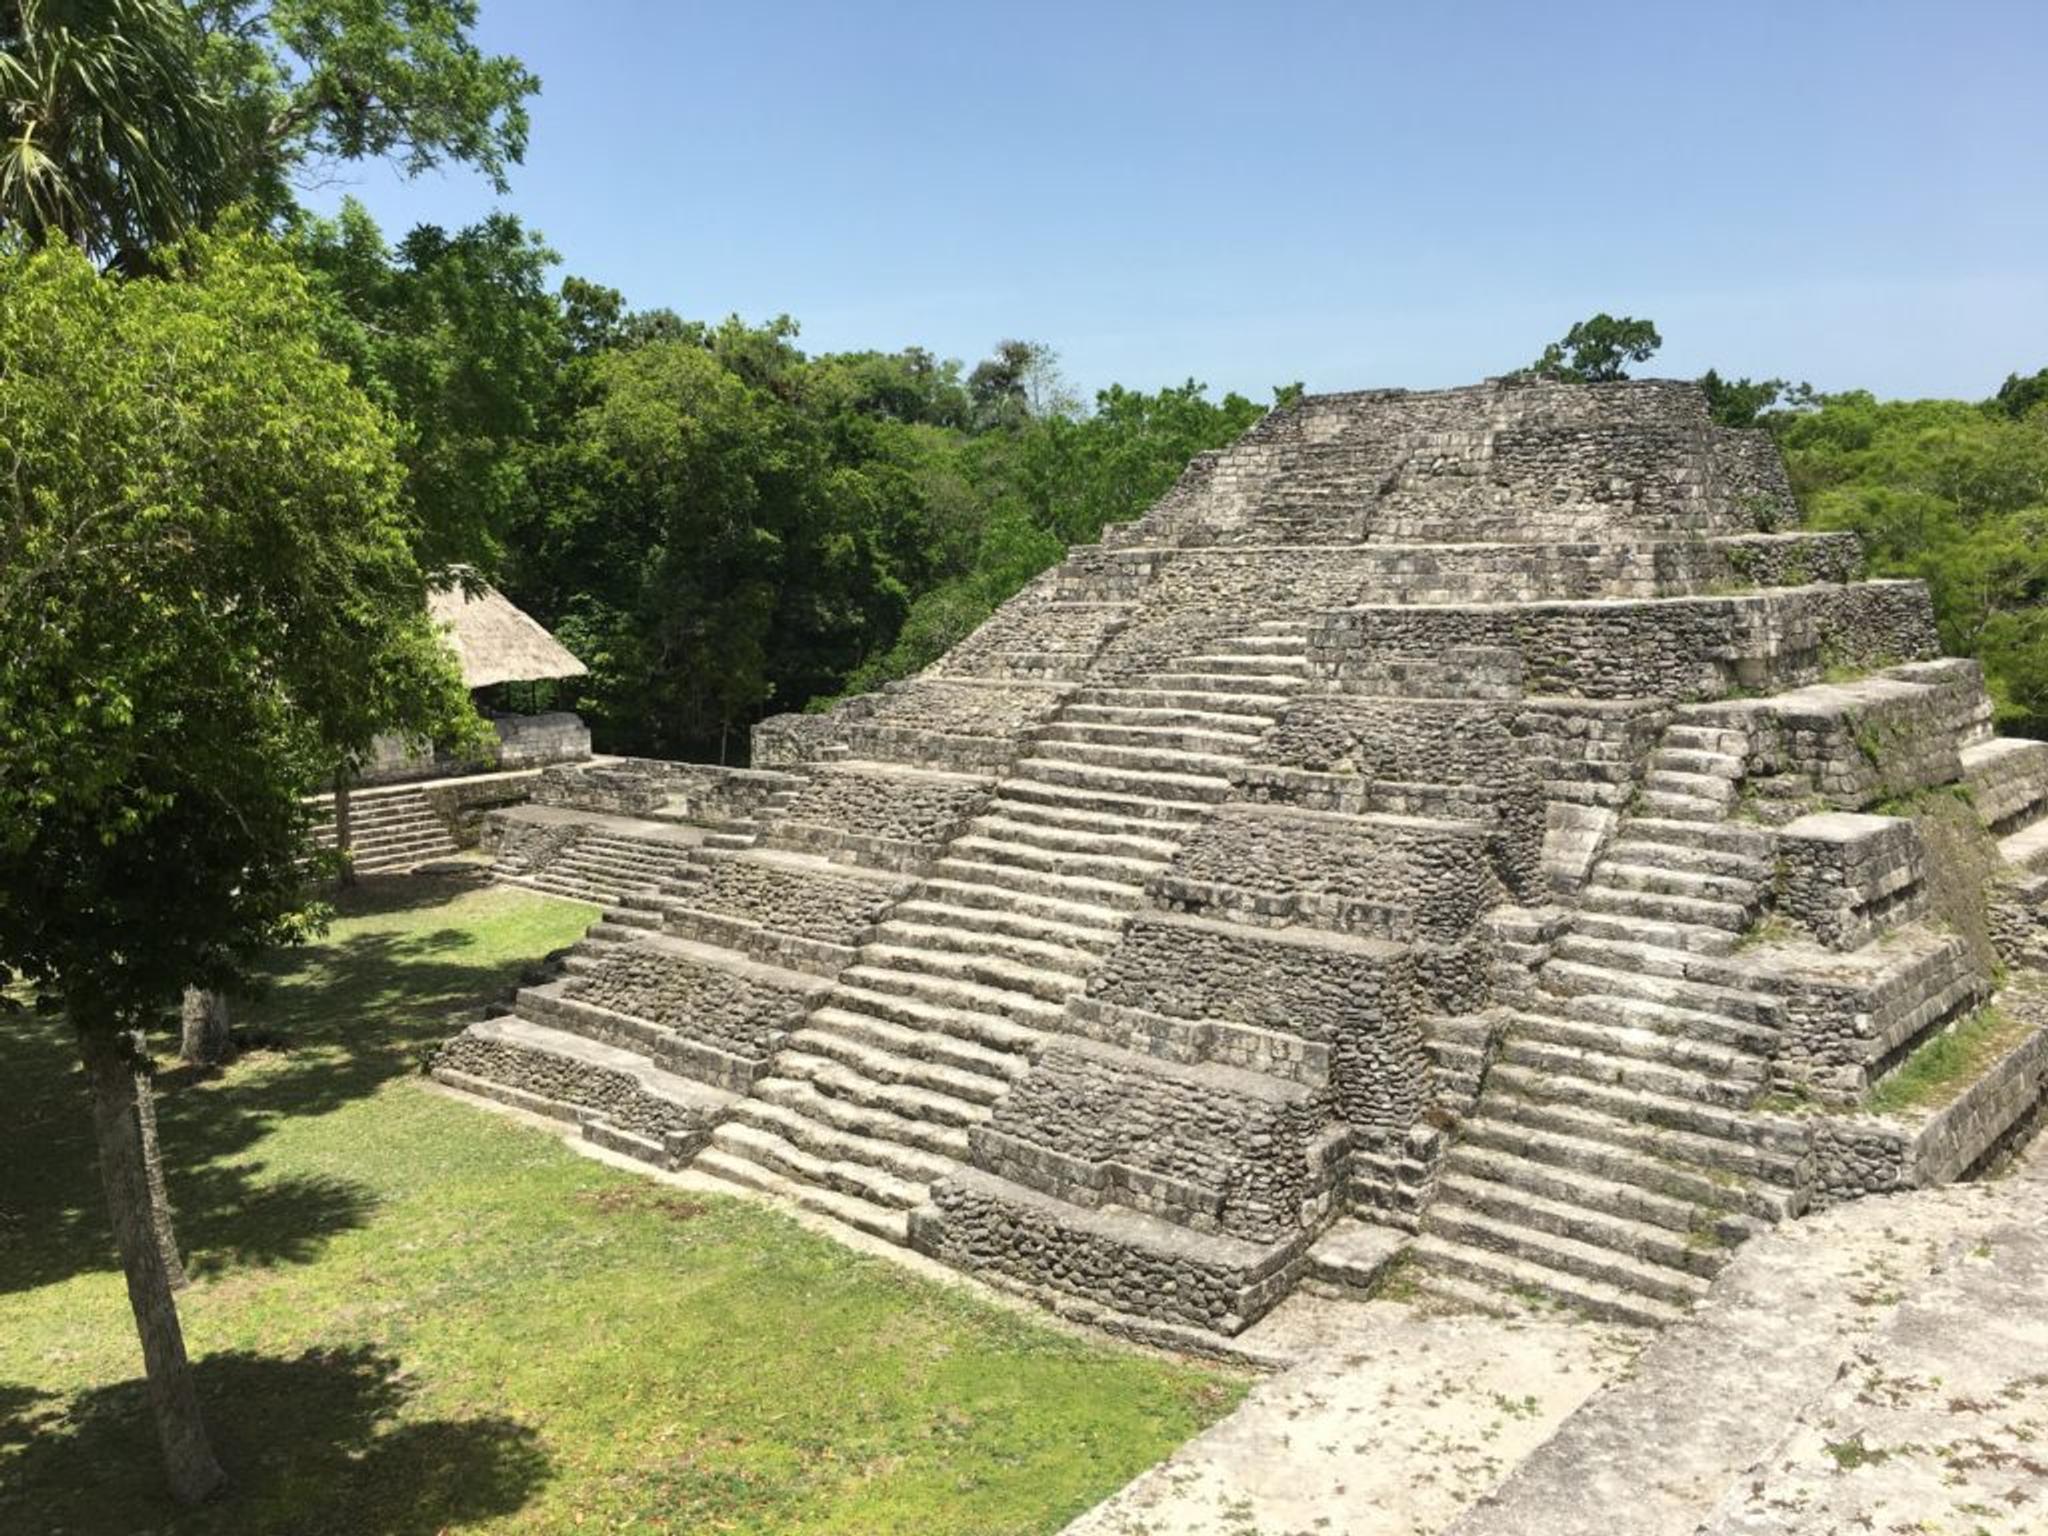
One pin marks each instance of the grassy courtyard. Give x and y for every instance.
(409, 1316)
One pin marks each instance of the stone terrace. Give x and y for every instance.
(1382, 829)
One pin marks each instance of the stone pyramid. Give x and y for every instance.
(1444, 813)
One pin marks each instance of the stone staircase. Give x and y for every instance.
(390, 829)
(1609, 1163)
(610, 869)
(948, 998)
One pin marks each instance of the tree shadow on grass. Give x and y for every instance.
(312, 1445)
(363, 1010)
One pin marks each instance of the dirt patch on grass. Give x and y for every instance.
(619, 1199)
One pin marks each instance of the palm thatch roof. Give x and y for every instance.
(494, 641)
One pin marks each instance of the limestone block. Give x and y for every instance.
(1847, 878)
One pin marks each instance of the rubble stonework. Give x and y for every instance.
(1465, 811)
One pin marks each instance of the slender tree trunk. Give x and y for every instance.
(207, 1040)
(343, 840)
(124, 1125)
(159, 1192)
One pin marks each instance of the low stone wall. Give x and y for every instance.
(786, 913)
(464, 806)
(791, 741)
(1840, 1023)
(2017, 909)
(1857, 1155)
(1355, 1002)
(1387, 877)
(739, 1012)
(640, 786)
(881, 817)
(517, 742)
(562, 1082)
(1847, 878)
(2008, 783)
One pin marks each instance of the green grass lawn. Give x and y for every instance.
(411, 1316)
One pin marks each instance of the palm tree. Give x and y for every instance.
(109, 135)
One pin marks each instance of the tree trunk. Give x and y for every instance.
(207, 1040)
(124, 1125)
(342, 837)
(159, 1192)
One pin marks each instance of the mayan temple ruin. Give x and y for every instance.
(1480, 820)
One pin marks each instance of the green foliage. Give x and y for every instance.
(1942, 1066)
(410, 1316)
(1956, 494)
(1746, 402)
(207, 600)
(2019, 396)
(1599, 350)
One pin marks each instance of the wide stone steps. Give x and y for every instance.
(1142, 762)
(878, 1220)
(1084, 890)
(995, 1031)
(1702, 764)
(1634, 850)
(1603, 896)
(996, 972)
(1505, 1274)
(1700, 786)
(1091, 800)
(942, 1048)
(833, 1077)
(1641, 1045)
(1236, 728)
(1616, 923)
(1281, 663)
(1266, 685)
(1177, 740)
(1109, 867)
(799, 1098)
(1644, 1013)
(1112, 840)
(1607, 1069)
(1635, 952)
(1203, 701)
(1623, 1280)
(1719, 740)
(1537, 1198)
(1127, 783)
(864, 1181)
(903, 931)
(1627, 1166)
(819, 1138)
(1718, 835)
(956, 992)
(1662, 805)
(1661, 879)
(1689, 1129)
(558, 883)
(1051, 933)
(988, 896)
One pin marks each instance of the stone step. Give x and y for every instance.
(837, 1080)
(1584, 1157)
(1125, 808)
(824, 1140)
(597, 895)
(1128, 840)
(1091, 938)
(1480, 1277)
(1144, 762)
(1720, 835)
(960, 992)
(877, 1220)
(634, 917)
(800, 1097)
(1697, 786)
(863, 1181)
(1607, 1069)
(902, 931)
(1224, 726)
(1643, 1045)
(995, 1031)
(1717, 765)
(1082, 889)
(1627, 927)
(1180, 741)
(1545, 1199)
(1688, 1129)
(1130, 783)
(956, 1053)
(1559, 1261)
(1264, 706)
(1646, 1014)
(1640, 954)
(990, 971)
(1726, 864)
(1662, 806)
(1279, 664)
(1718, 739)
(1111, 868)
(1662, 907)
(1676, 880)
(991, 897)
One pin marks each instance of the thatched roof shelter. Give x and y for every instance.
(494, 641)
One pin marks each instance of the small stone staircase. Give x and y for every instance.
(947, 1000)
(1609, 1163)
(612, 868)
(390, 829)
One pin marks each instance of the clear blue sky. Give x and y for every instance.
(1849, 191)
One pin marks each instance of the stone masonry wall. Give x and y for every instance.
(740, 1013)
(1847, 878)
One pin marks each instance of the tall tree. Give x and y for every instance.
(1599, 350)
(207, 596)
